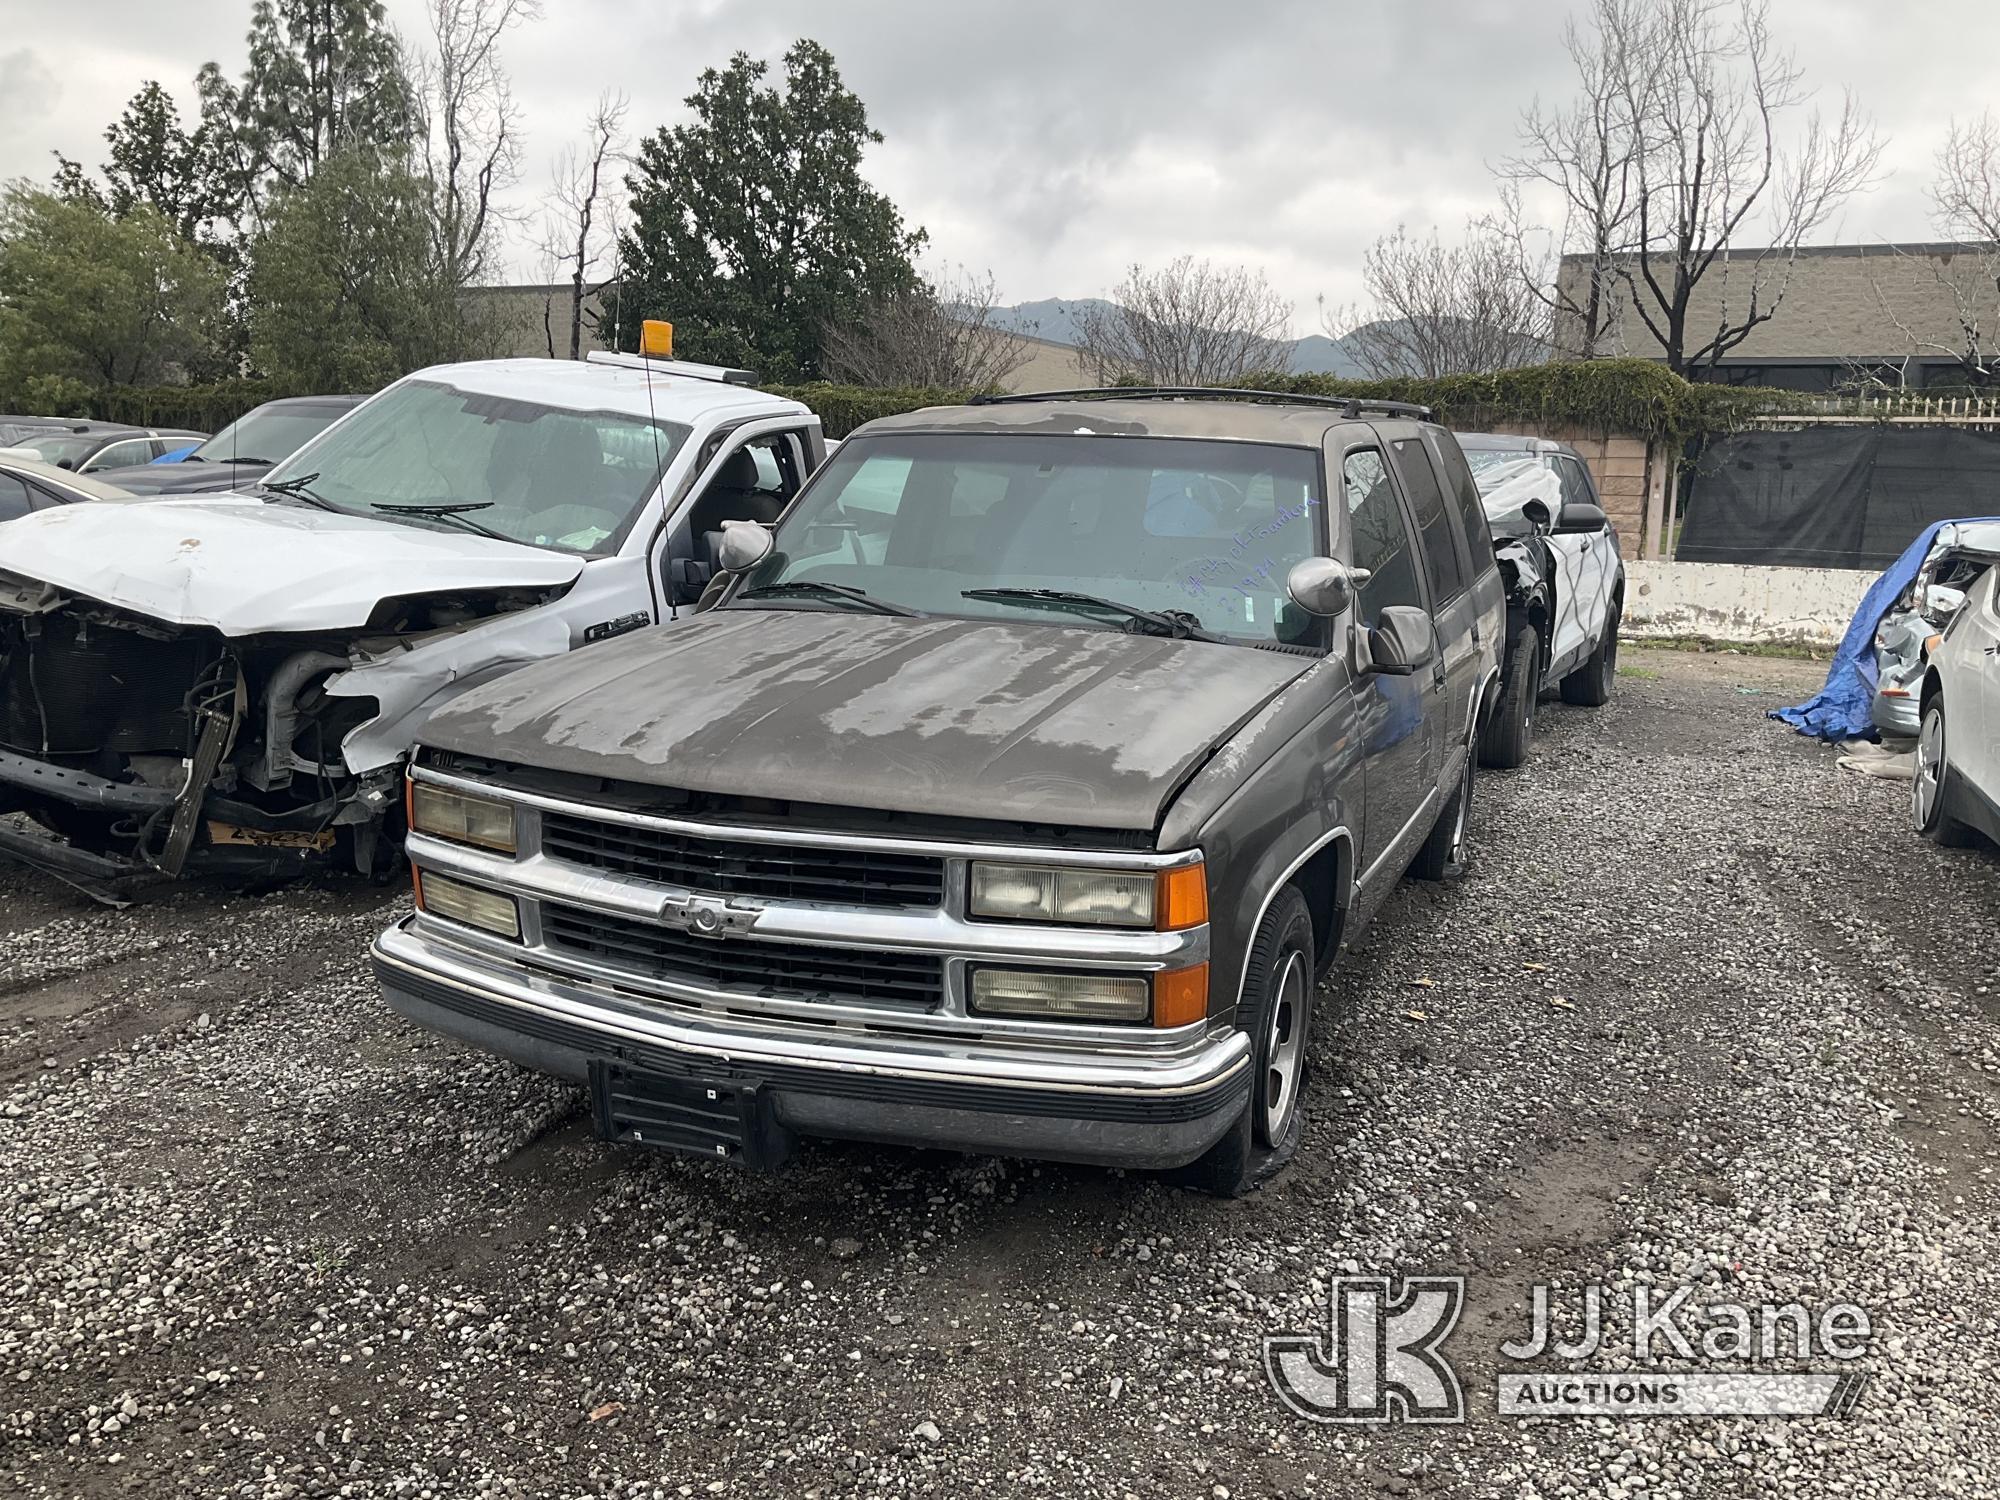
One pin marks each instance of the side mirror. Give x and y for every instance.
(1581, 515)
(1402, 641)
(1320, 586)
(1537, 514)
(744, 545)
(1942, 601)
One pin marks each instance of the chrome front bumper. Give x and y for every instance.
(1158, 1106)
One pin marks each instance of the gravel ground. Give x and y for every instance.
(260, 1238)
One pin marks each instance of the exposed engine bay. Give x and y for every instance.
(148, 746)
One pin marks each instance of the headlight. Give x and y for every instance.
(1167, 899)
(465, 819)
(1073, 997)
(1174, 997)
(471, 904)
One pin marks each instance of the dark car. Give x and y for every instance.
(1565, 583)
(244, 451)
(1012, 795)
(14, 426)
(94, 447)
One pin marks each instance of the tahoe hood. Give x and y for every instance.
(247, 566)
(1020, 722)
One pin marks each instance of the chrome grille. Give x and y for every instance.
(736, 867)
(752, 966)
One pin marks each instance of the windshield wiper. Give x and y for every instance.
(300, 489)
(1177, 623)
(455, 512)
(833, 591)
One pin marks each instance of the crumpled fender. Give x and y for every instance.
(412, 684)
(1521, 567)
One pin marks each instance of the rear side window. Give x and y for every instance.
(13, 498)
(1576, 483)
(1465, 501)
(1434, 527)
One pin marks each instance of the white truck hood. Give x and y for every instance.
(246, 566)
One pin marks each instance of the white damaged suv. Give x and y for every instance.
(236, 680)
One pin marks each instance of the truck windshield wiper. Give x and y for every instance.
(454, 512)
(300, 489)
(1177, 623)
(833, 591)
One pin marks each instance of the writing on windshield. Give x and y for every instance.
(1203, 527)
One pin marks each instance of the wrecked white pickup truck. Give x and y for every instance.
(1565, 583)
(234, 681)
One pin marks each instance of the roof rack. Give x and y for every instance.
(1352, 406)
(683, 367)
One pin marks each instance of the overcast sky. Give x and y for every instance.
(1055, 143)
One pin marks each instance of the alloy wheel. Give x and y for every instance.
(1285, 1049)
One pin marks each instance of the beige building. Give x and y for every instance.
(1845, 313)
(1048, 367)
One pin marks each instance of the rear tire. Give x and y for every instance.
(1509, 731)
(1278, 992)
(1589, 686)
(1443, 853)
(1933, 779)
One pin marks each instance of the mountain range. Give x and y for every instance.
(1055, 319)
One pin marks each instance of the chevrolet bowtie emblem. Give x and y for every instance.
(706, 916)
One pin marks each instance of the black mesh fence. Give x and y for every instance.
(1833, 497)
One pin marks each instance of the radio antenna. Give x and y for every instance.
(656, 340)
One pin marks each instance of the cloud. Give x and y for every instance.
(1057, 141)
(28, 91)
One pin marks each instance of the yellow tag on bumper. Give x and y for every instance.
(269, 838)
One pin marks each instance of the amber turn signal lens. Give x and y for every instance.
(1181, 898)
(1180, 996)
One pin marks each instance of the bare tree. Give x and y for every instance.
(1703, 89)
(944, 334)
(1437, 309)
(468, 127)
(1959, 291)
(1583, 157)
(1189, 323)
(580, 220)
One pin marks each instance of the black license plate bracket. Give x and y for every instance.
(713, 1119)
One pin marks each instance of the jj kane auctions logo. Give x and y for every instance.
(1381, 1357)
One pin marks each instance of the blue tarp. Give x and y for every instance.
(1840, 710)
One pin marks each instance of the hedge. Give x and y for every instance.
(1620, 395)
(1632, 396)
(842, 408)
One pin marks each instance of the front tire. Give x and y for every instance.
(1589, 686)
(1509, 731)
(1278, 994)
(1933, 778)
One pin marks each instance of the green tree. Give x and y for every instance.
(346, 291)
(87, 297)
(752, 226)
(156, 161)
(324, 76)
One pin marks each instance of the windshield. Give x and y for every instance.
(268, 434)
(548, 476)
(62, 447)
(1159, 524)
(1495, 466)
